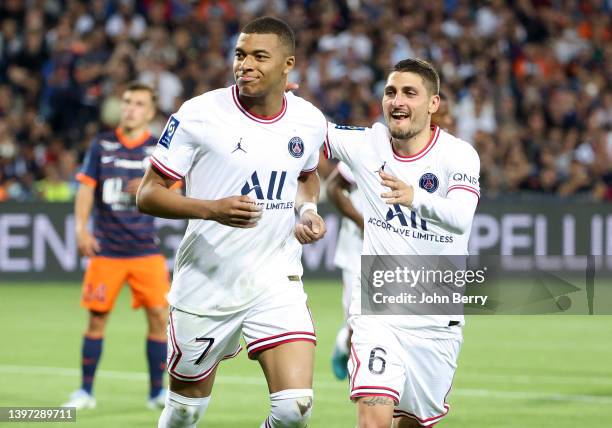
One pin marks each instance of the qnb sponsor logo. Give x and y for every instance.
(465, 178)
(273, 190)
(395, 211)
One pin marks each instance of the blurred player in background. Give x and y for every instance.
(413, 176)
(249, 155)
(343, 193)
(123, 246)
(443, 117)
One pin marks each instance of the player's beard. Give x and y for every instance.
(404, 134)
(415, 128)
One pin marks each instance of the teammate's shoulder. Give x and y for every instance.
(380, 128)
(349, 127)
(456, 145)
(364, 130)
(303, 106)
(357, 135)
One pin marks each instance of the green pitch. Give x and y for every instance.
(537, 371)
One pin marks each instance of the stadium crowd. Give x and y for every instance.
(529, 81)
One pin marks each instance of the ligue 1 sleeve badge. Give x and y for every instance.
(429, 182)
(296, 147)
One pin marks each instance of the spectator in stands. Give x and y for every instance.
(525, 73)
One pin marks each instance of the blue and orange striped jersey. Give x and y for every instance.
(111, 162)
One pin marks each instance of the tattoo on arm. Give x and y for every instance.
(374, 401)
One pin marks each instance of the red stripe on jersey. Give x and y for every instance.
(289, 333)
(326, 147)
(262, 348)
(357, 365)
(461, 187)
(432, 142)
(257, 118)
(175, 348)
(308, 171)
(375, 394)
(436, 418)
(384, 388)
(165, 170)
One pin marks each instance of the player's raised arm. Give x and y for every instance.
(310, 226)
(155, 197)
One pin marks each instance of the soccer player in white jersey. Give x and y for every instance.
(344, 194)
(414, 177)
(248, 154)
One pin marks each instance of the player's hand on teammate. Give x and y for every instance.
(132, 186)
(88, 244)
(401, 193)
(236, 211)
(310, 228)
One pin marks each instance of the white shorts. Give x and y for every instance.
(197, 344)
(416, 372)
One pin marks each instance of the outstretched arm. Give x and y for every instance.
(155, 197)
(310, 226)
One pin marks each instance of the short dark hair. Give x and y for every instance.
(271, 25)
(424, 69)
(139, 86)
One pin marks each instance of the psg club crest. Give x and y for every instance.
(296, 147)
(429, 182)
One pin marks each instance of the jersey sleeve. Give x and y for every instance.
(455, 211)
(175, 149)
(346, 172)
(90, 170)
(463, 174)
(343, 142)
(312, 162)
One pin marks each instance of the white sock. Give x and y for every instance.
(289, 408)
(182, 412)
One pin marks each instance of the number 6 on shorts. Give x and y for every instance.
(373, 358)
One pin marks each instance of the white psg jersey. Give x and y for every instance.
(444, 175)
(221, 150)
